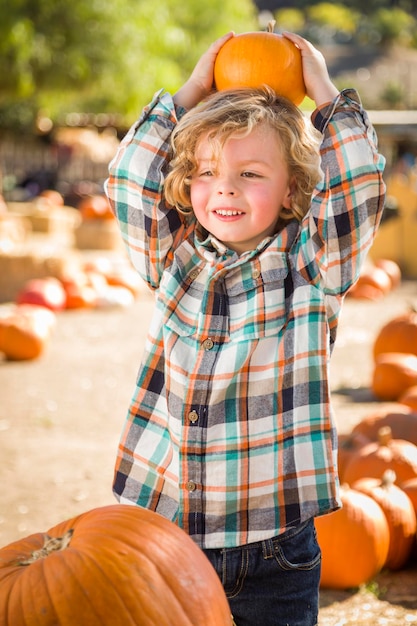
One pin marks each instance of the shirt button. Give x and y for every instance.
(191, 486)
(256, 273)
(208, 344)
(193, 416)
(194, 273)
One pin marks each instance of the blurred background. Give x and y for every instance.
(75, 75)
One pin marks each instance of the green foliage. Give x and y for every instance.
(101, 56)
(394, 25)
(292, 20)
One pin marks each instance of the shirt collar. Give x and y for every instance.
(214, 250)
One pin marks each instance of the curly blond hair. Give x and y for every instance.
(235, 113)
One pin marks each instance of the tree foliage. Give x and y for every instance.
(102, 56)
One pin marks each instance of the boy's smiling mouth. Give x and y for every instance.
(228, 212)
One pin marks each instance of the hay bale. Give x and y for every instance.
(14, 230)
(98, 234)
(45, 218)
(22, 264)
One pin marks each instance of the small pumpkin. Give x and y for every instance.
(373, 280)
(393, 373)
(254, 59)
(409, 399)
(399, 512)
(354, 541)
(402, 421)
(392, 269)
(398, 335)
(387, 453)
(117, 565)
(52, 196)
(410, 488)
(25, 331)
(348, 446)
(47, 292)
(95, 207)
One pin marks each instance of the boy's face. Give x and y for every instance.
(238, 197)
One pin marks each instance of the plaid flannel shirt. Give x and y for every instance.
(230, 432)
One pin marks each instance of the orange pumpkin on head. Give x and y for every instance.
(261, 58)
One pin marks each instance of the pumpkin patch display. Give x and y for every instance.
(354, 541)
(254, 59)
(398, 510)
(116, 565)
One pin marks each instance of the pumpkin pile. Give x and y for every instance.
(395, 360)
(26, 324)
(117, 565)
(377, 526)
(376, 280)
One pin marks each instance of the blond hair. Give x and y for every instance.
(236, 113)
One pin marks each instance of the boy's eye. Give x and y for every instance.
(249, 175)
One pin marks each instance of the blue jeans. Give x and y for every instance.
(273, 582)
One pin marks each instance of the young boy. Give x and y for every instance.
(250, 237)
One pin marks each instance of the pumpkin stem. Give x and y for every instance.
(388, 478)
(384, 436)
(51, 544)
(271, 26)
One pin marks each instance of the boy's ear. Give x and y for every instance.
(288, 198)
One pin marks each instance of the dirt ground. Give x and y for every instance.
(61, 415)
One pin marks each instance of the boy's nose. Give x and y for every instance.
(222, 192)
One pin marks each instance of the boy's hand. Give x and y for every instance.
(200, 83)
(318, 84)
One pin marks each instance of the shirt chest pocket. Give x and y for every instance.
(258, 310)
(228, 309)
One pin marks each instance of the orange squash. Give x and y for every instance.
(410, 488)
(373, 280)
(409, 399)
(348, 446)
(53, 197)
(117, 565)
(392, 269)
(398, 510)
(387, 453)
(47, 292)
(354, 541)
(261, 58)
(393, 373)
(397, 335)
(25, 331)
(402, 421)
(95, 207)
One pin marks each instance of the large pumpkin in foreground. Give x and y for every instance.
(261, 58)
(117, 565)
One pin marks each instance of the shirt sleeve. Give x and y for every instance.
(347, 203)
(134, 187)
